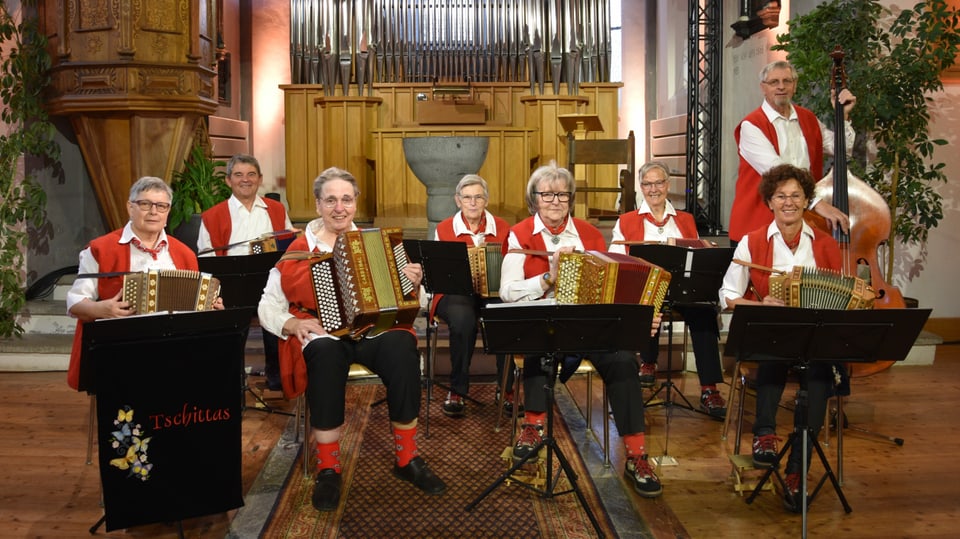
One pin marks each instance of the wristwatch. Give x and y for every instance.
(546, 278)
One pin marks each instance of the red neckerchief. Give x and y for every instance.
(658, 224)
(152, 252)
(556, 231)
(795, 242)
(481, 227)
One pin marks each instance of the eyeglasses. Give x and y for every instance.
(472, 198)
(658, 184)
(796, 198)
(550, 196)
(145, 205)
(331, 202)
(778, 82)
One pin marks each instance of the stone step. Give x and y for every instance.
(46, 316)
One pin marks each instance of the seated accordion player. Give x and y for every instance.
(814, 288)
(486, 260)
(360, 288)
(598, 277)
(160, 291)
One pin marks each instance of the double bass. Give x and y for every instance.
(869, 214)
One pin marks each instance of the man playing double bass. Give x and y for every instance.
(780, 132)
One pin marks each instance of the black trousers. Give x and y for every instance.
(618, 371)
(705, 334)
(461, 314)
(393, 356)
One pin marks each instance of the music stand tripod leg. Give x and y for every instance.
(553, 448)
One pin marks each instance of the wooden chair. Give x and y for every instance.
(606, 152)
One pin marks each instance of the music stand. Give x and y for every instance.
(695, 277)
(242, 279)
(766, 333)
(446, 270)
(558, 330)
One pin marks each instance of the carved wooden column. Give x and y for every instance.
(135, 78)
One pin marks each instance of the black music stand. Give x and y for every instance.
(446, 270)
(558, 330)
(173, 378)
(765, 333)
(242, 279)
(695, 277)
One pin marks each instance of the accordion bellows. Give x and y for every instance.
(598, 277)
(814, 288)
(360, 288)
(485, 262)
(160, 291)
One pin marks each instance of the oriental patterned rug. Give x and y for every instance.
(465, 453)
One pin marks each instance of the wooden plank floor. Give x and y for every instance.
(46, 490)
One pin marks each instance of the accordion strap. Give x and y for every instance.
(104, 275)
(302, 255)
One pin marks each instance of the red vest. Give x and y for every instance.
(538, 265)
(445, 233)
(749, 212)
(631, 225)
(113, 256)
(826, 255)
(218, 223)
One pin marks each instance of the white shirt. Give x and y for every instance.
(758, 151)
(274, 308)
(737, 278)
(244, 225)
(460, 228)
(514, 286)
(651, 232)
(139, 261)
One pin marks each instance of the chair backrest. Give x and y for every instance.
(607, 152)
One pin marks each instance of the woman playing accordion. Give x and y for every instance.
(786, 242)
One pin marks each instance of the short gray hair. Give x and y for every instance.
(149, 183)
(244, 159)
(334, 173)
(652, 165)
(472, 179)
(779, 64)
(549, 172)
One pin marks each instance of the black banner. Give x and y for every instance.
(169, 416)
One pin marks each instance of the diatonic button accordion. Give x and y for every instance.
(597, 277)
(158, 291)
(360, 287)
(815, 288)
(486, 260)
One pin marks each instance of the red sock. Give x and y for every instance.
(534, 418)
(711, 387)
(633, 443)
(328, 456)
(406, 445)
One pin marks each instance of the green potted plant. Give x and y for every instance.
(27, 132)
(199, 186)
(893, 63)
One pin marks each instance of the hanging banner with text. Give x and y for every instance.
(169, 390)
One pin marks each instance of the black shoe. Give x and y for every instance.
(792, 500)
(530, 437)
(326, 490)
(454, 406)
(418, 473)
(765, 450)
(639, 473)
(648, 374)
(274, 384)
(508, 404)
(713, 404)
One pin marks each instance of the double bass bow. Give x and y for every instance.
(869, 215)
